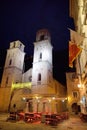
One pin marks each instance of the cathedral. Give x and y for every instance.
(34, 90)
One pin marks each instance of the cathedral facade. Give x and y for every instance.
(34, 90)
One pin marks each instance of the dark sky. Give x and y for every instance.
(21, 19)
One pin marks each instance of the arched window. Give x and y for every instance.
(41, 37)
(30, 78)
(10, 62)
(40, 55)
(39, 77)
(7, 80)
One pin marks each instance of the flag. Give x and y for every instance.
(74, 46)
(74, 51)
(75, 37)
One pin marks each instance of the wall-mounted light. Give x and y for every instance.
(53, 98)
(63, 100)
(24, 99)
(49, 100)
(81, 86)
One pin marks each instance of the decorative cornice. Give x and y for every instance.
(11, 67)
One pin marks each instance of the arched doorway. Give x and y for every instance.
(75, 108)
(20, 97)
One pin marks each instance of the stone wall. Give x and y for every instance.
(4, 99)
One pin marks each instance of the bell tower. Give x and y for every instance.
(13, 65)
(42, 74)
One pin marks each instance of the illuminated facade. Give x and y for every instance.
(35, 88)
(73, 93)
(13, 65)
(78, 11)
(42, 62)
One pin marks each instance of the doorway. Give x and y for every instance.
(75, 108)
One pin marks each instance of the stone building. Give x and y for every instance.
(73, 93)
(78, 11)
(36, 89)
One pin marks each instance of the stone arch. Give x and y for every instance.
(75, 108)
(43, 34)
(16, 98)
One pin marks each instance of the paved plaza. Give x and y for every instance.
(73, 123)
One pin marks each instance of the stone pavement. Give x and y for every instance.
(73, 123)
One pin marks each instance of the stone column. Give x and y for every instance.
(37, 106)
(44, 103)
(26, 107)
(49, 107)
(54, 107)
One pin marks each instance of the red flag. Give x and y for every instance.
(74, 51)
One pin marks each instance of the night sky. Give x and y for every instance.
(21, 19)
